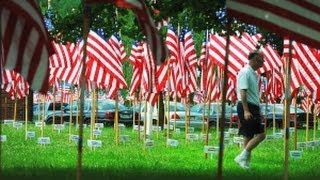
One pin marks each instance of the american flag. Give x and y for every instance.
(25, 41)
(147, 24)
(298, 19)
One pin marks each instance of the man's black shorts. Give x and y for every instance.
(249, 128)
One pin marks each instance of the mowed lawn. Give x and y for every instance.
(26, 159)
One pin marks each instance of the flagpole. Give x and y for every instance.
(307, 119)
(295, 125)
(224, 92)
(287, 111)
(54, 108)
(26, 117)
(86, 23)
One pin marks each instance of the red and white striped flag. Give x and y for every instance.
(159, 50)
(25, 40)
(298, 19)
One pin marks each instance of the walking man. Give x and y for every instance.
(248, 108)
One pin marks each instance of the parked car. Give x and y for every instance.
(45, 110)
(105, 112)
(215, 112)
(175, 109)
(277, 110)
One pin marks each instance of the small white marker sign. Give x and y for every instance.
(190, 129)
(96, 132)
(204, 136)
(99, 125)
(149, 143)
(278, 135)
(58, 127)
(192, 136)
(17, 125)
(44, 140)
(94, 143)
(31, 134)
(178, 130)
(124, 138)
(74, 137)
(301, 145)
(39, 124)
(8, 122)
(296, 154)
(3, 138)
(173, 142)
(238, 140)
(211, 149)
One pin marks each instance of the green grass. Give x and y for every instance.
(25, 159)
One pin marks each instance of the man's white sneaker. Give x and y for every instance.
(242, 162)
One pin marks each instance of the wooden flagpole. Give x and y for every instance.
(314, 121)
(287, 112)
(224, 93)
(307, 119)
(70, 118)
(116, 119)
(86, 23)
(208, 102)
(295, 126)
(26, 117)
(54, 107)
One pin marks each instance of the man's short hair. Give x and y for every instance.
(253, 54)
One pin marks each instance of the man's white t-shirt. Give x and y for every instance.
(248, 79)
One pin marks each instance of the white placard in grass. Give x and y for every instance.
(278, 135)
(122, 127)
(149, 143)
(39, 124)
(190, 129)
(99, 125)
(204, 136)
(233, 131)
(31, 134)
(192, 136)
(124, 138)
(58, 127)
(301, 145)
(156, 128)
(296, 154)
(227, 141)
(94, 143)
(178, 130)
(238, 140)
(96, 132)
(291, 130)
(74, 137)
(17, 125)
(173, 142)
(44, 140)
(226, 134)
(3, 138)
(310, 144)
(211, 149)
(8, 121)
(317, 142)
(269, 136)
(137, 127)
(170, 126)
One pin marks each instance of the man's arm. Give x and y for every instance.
(247, 113)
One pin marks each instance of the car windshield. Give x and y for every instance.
(214, 108)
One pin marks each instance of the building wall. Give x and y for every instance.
(7, 106)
